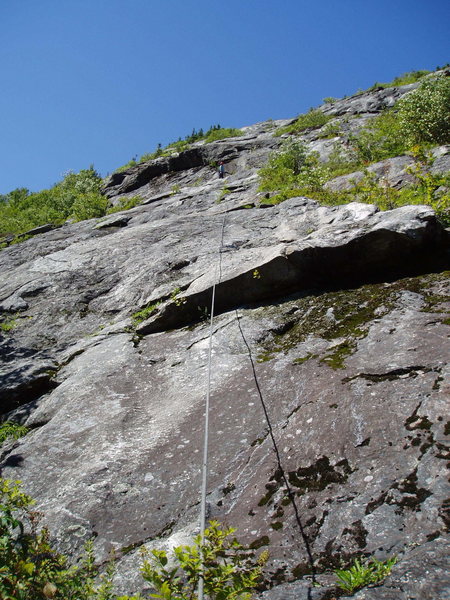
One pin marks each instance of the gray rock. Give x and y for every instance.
(392, 172)
(441, 163)
(368, 102)
(330, 308)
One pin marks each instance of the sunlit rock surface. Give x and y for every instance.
(341, 313)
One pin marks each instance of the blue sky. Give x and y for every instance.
(100, 81)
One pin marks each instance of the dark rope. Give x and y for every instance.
(289, 491)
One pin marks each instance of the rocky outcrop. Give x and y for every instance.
(394, 172)
(333, 318)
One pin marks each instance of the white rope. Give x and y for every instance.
(206, 434)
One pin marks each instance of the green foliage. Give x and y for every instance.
(222, 133)
(76, 197)
(361, 574)
(8, 323)
(30, 569)
(176, 298)
(379, 139)
(406, 78)
(125, 204)
(131, 163)
(292, 172)
(224, 192)
(331, 130)
(229, 570)
(419, 117)
(292, 168)
(424, 113)
(145, 313)
(9, 429)
(313, 119)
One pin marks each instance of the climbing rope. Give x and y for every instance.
(217, 278)
(288, 488)
(290, 493)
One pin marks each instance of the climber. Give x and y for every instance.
(221, 169)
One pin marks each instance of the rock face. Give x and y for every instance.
(331, 333)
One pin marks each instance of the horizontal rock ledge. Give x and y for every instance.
(378, 255)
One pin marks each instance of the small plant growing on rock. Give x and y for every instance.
(229, 569)
(8, 323)
(145, 313)
(125, 204)
(313, 119)
(361, 574)
(176, 298)
(12, 430)
(225, 191)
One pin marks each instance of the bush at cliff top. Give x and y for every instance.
(76, 197)
(424, 113)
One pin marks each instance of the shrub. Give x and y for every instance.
(30, 569)
(424, 113)
(405, 78)
(125, 203)
(283, 167)
(292, 168)
(331, 130)
(145, 313)
(77, 197)
(291, 171)
(8, 322)
(89, 206)
(131, 163)
(379, 139)
(229, 570)
(361, 574)
(9, 429)
(221, 134)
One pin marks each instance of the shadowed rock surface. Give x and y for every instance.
(341, 314)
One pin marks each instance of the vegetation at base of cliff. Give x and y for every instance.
(31, 568)
(362, 573)
(418, 121)
(214, 133)
(230, 571)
